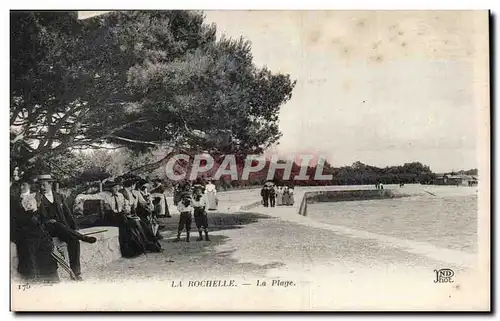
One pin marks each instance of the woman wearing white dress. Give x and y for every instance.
(279, 196)
(211, 196)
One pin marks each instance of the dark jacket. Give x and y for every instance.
(24, 224)
(33, 244)
(63, 214)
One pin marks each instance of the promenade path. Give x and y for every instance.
(307, 265)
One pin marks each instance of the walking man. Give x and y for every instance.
(264, 192)
(272, 196)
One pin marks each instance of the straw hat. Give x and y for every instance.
(111, 183)
(43, 177)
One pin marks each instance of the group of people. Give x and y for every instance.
(131, 203)
(194, 199)
(134, 205)
(276, 195)
(198, 186)
(38, 214)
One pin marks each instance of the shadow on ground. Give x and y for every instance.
(217, 221)
(193, 259)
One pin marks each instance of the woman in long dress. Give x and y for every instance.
(291, 200)
(211, 196)
(136, 233)
(279, 196)
(33, 243)
(287, 196)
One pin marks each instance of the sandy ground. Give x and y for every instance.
(306, 265)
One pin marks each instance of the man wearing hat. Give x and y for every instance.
(59, 222)
(33, 244)
(264, 193)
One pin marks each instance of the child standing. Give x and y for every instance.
(200, 216)
(185, 210)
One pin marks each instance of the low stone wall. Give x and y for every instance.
(102, 252)
(345, 195)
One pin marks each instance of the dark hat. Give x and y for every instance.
(111, 182)
(185, 195)
(129, 182)
(26, 179)
(43, 177)
(142, 183)
(129, 176)
(129, 179)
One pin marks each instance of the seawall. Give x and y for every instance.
(346, 195)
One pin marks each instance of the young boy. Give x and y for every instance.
(200, 216)
(185, 210)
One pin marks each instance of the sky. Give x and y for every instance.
(383, 88)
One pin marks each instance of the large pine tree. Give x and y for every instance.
(137, 79)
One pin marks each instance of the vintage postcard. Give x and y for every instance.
(249, 160)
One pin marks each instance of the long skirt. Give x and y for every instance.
(136, 238)
(287, 199)
(135, 235)
(35, 263)
(279, 199)
(211, 201)
(34, 248)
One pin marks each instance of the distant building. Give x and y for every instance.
(448, 179)
(470, 180)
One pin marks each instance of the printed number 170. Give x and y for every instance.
(23, 287)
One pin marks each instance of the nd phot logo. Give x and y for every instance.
(444, 276)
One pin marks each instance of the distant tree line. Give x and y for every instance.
(356, 174)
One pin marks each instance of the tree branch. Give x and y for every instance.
(152, 166)
(134, 141)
